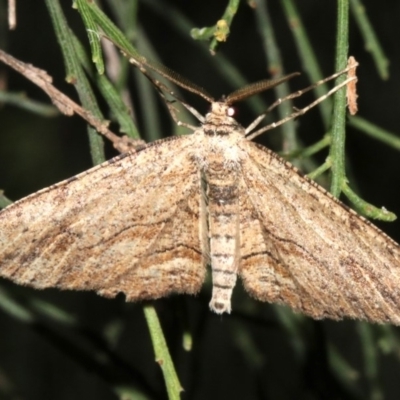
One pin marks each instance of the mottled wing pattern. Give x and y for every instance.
(303, 248)
(135, 231)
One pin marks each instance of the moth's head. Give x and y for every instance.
(221, 110)
(219, 120)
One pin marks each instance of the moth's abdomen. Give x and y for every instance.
(223, 217)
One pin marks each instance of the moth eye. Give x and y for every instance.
(231, 111)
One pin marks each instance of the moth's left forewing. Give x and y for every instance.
(129, 225)
(325, 261)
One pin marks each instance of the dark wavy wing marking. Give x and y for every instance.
(317, 256)
(130, 225)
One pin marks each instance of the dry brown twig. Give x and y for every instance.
(351, 87)
(67, 106)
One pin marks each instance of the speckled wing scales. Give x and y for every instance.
(135, 231)
(315, 255)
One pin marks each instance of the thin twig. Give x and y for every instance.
(66, 106)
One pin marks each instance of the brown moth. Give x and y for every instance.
(148, 222)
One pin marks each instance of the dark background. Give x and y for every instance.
(246, 355)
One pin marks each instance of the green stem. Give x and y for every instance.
(375, 131)
(4, 201)
(22, 101)
(308, 151)
(371, 41)
(76, 75)
(336, 153)
(369, 348)
(343, 371)
(220, 31)
(366, 208)
(91, 30)
(320, 170)
(308, 57)
(275, 66)
(163, 358)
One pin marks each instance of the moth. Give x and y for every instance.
(148, 222)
